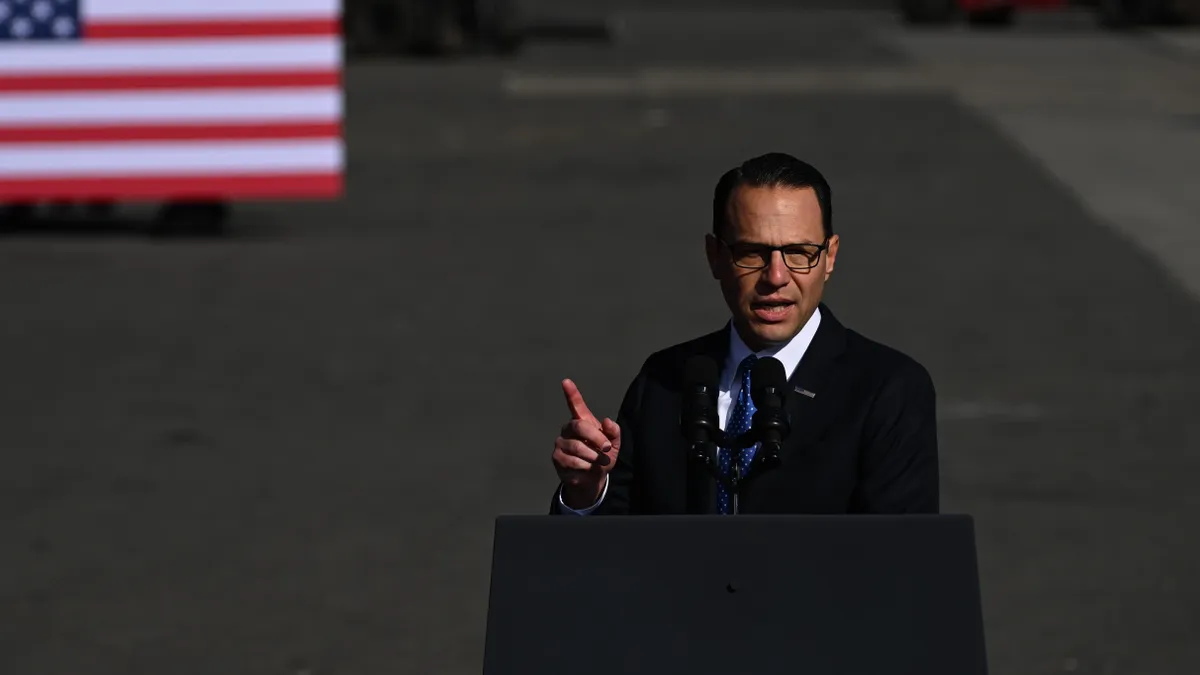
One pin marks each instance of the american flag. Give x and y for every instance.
(133, 99)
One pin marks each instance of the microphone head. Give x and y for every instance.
(698, 415)
(700, 371)
(767, 378)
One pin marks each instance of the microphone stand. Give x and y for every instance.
(765, 459)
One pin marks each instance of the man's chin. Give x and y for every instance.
(770, 334)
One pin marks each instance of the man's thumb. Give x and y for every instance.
(613, 432)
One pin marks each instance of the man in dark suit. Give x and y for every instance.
(863, 426)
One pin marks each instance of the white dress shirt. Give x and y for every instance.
(789, 355)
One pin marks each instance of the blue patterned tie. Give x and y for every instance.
(739, 423)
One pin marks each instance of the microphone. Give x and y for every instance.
(768, 390)
(698, 416)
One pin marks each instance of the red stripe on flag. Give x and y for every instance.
(170, 132)
(113, 82)
(229, 186)
(203, 28)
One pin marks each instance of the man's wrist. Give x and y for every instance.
(580, 497)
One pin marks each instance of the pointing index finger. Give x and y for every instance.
(579, 409)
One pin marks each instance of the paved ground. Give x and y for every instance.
(282, 452)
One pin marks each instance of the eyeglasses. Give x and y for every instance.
(798, 257)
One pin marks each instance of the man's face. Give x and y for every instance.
(770, 305)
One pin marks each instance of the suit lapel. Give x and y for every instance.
(805, 404)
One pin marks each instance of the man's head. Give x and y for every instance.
(774, 200)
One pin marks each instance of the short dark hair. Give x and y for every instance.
(774, 169)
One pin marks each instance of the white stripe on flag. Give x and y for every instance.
(150, 159)
(130, 56)
(214, 106)
(153, 10)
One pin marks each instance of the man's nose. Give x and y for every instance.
(777, 273)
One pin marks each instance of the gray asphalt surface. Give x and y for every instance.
(282, 452)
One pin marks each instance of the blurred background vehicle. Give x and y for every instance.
(1109, 13)
(431, 27)
(1133, 13)
(976, 12)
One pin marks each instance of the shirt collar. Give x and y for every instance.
(788, 354)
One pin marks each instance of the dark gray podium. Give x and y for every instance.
(741, 595)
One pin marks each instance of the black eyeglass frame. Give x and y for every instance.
(770, 251)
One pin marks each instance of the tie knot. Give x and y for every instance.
(744, 369)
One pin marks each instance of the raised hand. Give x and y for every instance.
(585, 451)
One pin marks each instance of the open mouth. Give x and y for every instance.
(772, 311)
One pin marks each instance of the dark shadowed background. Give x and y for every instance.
(283, 451)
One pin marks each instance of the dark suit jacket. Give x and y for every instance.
(866, 443)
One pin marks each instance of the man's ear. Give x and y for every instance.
(831, 256)
(712, 248)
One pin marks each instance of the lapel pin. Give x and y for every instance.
(805, 392)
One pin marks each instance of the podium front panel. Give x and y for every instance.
(741, 595)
